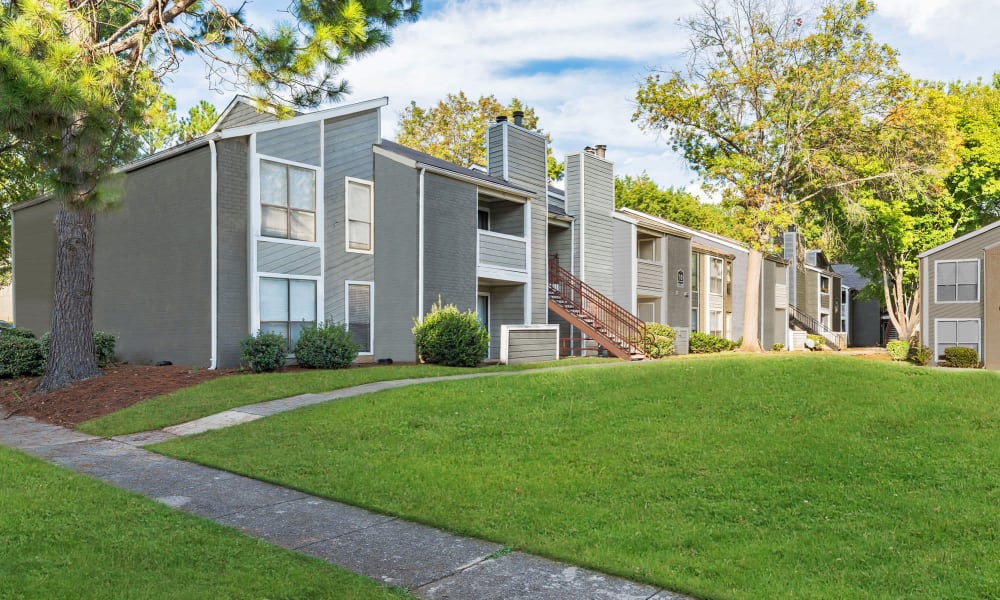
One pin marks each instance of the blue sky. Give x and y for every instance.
(579, 62)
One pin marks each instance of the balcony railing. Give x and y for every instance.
(501, 252)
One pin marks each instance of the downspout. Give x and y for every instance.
(214, 364)
(420, 248)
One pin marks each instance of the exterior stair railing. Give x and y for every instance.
(614, 327)
(812, 325)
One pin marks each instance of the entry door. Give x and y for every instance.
(991, 309)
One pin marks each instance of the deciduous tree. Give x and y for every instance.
(80, 74)
(679, 206)
(455, 128)
(763, 78)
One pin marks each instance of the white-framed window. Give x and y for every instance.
(646, 310)
(648, 249)
(715, 323)
(358, 313)
(956, 332)
(287, 201)
(287, 306)
(956, 280)
(360, 214)
(694, 318)
(716, 268)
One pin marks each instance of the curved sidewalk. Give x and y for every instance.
(430, 563)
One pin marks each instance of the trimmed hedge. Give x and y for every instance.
(451, 338)
(898, 349)
(703, 343)
(326, 346)
(17, 332)
(104, 347)
(920, 355)
(263, 352)
(961, 358)
(20, 356)
(659, 341)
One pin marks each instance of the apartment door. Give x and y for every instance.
(991, 309)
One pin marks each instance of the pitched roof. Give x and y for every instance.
(849, 276)
(443, 165)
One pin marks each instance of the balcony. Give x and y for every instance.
(650, 276)
(502, 257)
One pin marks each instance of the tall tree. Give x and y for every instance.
(19, 181)
(642, 193)
(761, 80)
(455, 128)
(887, 201)
(79, 74)
(976, 179)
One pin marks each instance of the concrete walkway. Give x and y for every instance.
(429, 562)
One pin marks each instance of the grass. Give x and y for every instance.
(722, 477)
(68, 536)
(221, 394)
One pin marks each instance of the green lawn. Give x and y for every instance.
(224, 393)
(67, 536)
(724, 477)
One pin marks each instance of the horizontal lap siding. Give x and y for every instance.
(288, 259)
(502, 252)
(299, 143)
(573, 198)
(243, 114)
(598, 202)
(348, 153)
(972, 248)
(506, 308)
(650, 278)
(506, 217)
(450, 242)
(532, 346)
(624, 258)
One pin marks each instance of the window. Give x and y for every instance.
(694, 319)
(957, 281)
(359, 314)
(359, 215)
(956, 332)
(695, 259)
(287, 202)
(646, 249)
(715, 323)
(824, 284)
(647, 311)
(715, 270)
(287, 306)
(695, 262)
(484, 219)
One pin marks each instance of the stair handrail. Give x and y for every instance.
(618, 321)
(812, 324)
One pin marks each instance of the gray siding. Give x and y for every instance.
(502, 252)
(539, 258)
(506, 308)
(450, 242)
(650, 278)
(299, 143)
(598, 203)
(244, 114)
(768, 314)
(34, 265)
(865, 323)
(739, 281)
(532, 345)
(348, 153)
(288, 259)
(152, 267)
(560, 243)
(835, 309)
(622, 284)
(233, 208)
(972, 248)
(573, 197)
(396, 215)
(506, 217)
(678, 298)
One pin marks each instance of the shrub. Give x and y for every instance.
(104, 347)
(327, 346)
(17, 332)
(778, 347)
(263, 352)
(898, 349)
(659, 341)
(962, 358)
(20, 356)
(452, 338)
(920, 355)
(703, 343)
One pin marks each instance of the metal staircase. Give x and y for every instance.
(800, 319)
(606, 322)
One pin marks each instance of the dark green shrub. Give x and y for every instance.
(961, 358)
(104, 347)
(263, 352)
(920, 355)
(327, 346)
(703, 343)
(20, 356)
(452, 338)
(17, 332)
(659, 341)
(898, 349)
(778, 347)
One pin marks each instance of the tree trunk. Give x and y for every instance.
(71, 353)
(751, 306)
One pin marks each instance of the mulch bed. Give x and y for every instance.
(120, 386)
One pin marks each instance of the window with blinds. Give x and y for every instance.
(287, 202)
(359, 215)
(359, 314)
(287, 306)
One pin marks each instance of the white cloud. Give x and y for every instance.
(963, 29)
